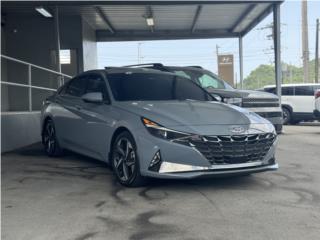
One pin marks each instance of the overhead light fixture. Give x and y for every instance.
(44, 12)
(150, 21)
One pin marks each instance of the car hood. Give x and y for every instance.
(236, 93)
(191, 113)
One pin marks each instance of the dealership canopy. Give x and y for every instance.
(156, 20)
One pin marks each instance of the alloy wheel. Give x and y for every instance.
(49, 138)
(124, 159)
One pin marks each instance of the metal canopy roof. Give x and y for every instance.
(126, 20)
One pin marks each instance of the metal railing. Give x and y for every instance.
(60, 80)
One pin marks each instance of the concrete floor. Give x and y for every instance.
(77, 198)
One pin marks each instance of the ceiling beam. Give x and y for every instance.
(243, 17)
(105, 19)
(196, 17)
(134, 2)
(105, 36)
(257, 20)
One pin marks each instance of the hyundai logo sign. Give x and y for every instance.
(237, 129)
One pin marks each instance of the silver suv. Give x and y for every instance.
(266, 105)
(147, 123)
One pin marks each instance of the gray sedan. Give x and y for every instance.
(147, 123)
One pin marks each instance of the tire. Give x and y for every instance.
(287, 116)
(125, 161)
(50, 141)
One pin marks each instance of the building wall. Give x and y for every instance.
(19, 130)
(32, 39)
(89, 46)
(4, 90)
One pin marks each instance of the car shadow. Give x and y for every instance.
(80, 162)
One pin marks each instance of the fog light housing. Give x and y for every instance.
(155, 162)
(272, 160)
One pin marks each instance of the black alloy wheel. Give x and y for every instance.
(125, 161)
(50, 141)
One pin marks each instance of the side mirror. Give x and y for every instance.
(93, 97)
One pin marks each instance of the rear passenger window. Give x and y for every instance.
(76, 87)
(304, 91)
(316, 87)
(182, 74)
(287, 91)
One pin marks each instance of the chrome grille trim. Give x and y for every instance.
(232, 149)
(260, 102)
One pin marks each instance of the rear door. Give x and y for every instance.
(287, 96)
(303, 101)
(68, 119)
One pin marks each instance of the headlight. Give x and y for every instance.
(162, 132)
(235, 101)
(261, 128)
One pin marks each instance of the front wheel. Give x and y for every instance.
(49, 140)
(125, 161)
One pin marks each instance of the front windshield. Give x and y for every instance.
(154, 87)
(204, 78)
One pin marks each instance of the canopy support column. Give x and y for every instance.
(241, 61)
(277, 47)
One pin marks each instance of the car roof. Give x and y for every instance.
(165, 68)
(111, 70)
(293, 85)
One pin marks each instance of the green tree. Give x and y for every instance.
(264, 75)
(259, 77)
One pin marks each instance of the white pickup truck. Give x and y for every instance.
(316, 111)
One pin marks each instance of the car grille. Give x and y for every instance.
(269, 114)
(233, 149)
(260, 102)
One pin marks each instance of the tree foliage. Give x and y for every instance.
(265, 75)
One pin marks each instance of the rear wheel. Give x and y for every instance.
(49, 140)
(125, 161)
(287, 116)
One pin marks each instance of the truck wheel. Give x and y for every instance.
(286, 115)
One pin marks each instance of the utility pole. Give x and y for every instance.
(217, 54)
(316, 63)
(305, 46)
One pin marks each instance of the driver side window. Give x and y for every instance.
(76, 87)
(208, 81)
(95, 83)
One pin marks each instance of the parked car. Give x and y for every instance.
(297, 101)
(147, 123)
(264, 104)
(316, 111)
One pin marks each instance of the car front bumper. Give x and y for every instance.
(180, 161)
(212, 172)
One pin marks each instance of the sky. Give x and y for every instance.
(256, 45)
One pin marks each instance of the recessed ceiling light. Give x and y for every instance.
(150, 21)
(44, 12)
